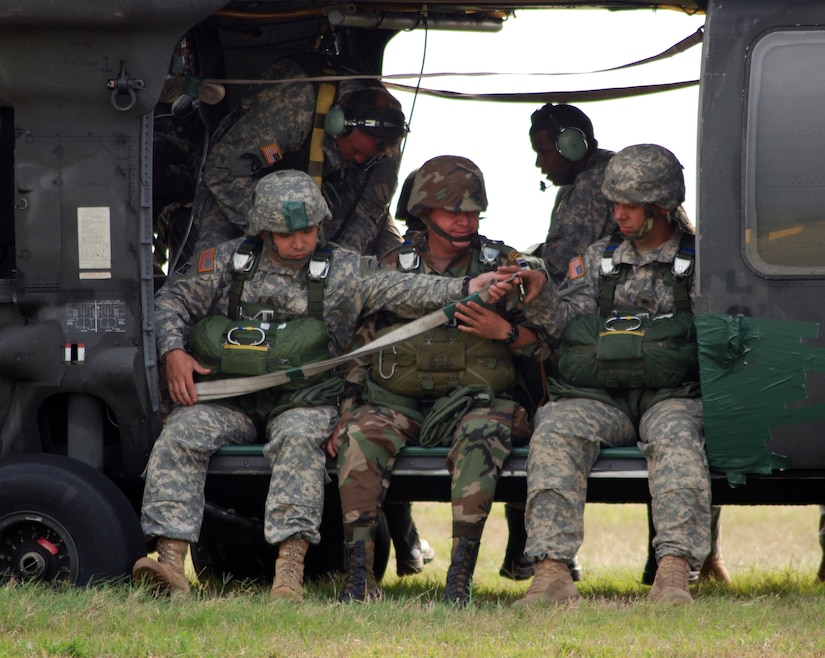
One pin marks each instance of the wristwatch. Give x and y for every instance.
(512, 337)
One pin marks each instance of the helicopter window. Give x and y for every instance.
(785, 139)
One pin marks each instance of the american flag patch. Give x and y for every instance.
(271, 153)
(575, 268)
(206, 261)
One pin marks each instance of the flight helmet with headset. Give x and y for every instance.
(370, 109)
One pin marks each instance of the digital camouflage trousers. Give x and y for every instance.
(173, 500)
(566, 441)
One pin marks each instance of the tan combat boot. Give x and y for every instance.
(671, 583)
(714, 568)
(552, 584)
(289, 570)
(167, 573)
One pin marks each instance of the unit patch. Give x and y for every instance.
(206, 261)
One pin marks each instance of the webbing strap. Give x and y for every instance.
(251, 249)
(227, 388)
(323, 101)
(611, 278)
(679, 277)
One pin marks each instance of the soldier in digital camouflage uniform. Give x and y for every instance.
(273, 129)
(287, 211)
(568, 155)
(480, 423)
(646, 184)
(581, 216)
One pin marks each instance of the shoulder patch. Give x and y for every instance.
(206, 261)
(369, 264)
(575, 268)
(272, 154)
(383, 191)
(517, 258)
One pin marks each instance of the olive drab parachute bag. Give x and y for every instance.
(437, 360)
(629, 351)
(244, 348)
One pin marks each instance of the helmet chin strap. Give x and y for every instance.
(647, 227)
(452, 239)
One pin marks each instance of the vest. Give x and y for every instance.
(430, 364)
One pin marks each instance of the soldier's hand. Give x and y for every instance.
(531, 281)
(180, 369)
(333, 443)
(481, 321)
(496, 284)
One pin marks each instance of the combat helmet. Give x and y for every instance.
(645, 173)
(447, 182)
(286, 201)
(402, 214)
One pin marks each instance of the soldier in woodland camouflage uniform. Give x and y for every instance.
(273, 129)
(286, 213)
(480, 423)
(646, 185)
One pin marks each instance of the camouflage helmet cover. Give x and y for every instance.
(645, 173)
(286, 201)
(447, 182)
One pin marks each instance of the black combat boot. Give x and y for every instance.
(460, 574)
(359, 581)
(516, 566)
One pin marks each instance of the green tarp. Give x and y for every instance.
(753, 373)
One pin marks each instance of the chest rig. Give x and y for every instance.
(621, 349)
(432, 363)
(255, 339)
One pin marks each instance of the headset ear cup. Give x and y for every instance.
(571, 144)
(335, 123)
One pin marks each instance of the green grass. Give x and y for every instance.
(772, 608)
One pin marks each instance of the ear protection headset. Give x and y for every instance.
(339, 121)
(571, 143)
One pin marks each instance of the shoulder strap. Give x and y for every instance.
(681, 274)
(316, 273)
(244, 265)
(612, 275)
(408, 258)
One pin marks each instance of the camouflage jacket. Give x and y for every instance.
(645, 287)
(355, 285)
(281, 117)
(581, 215)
